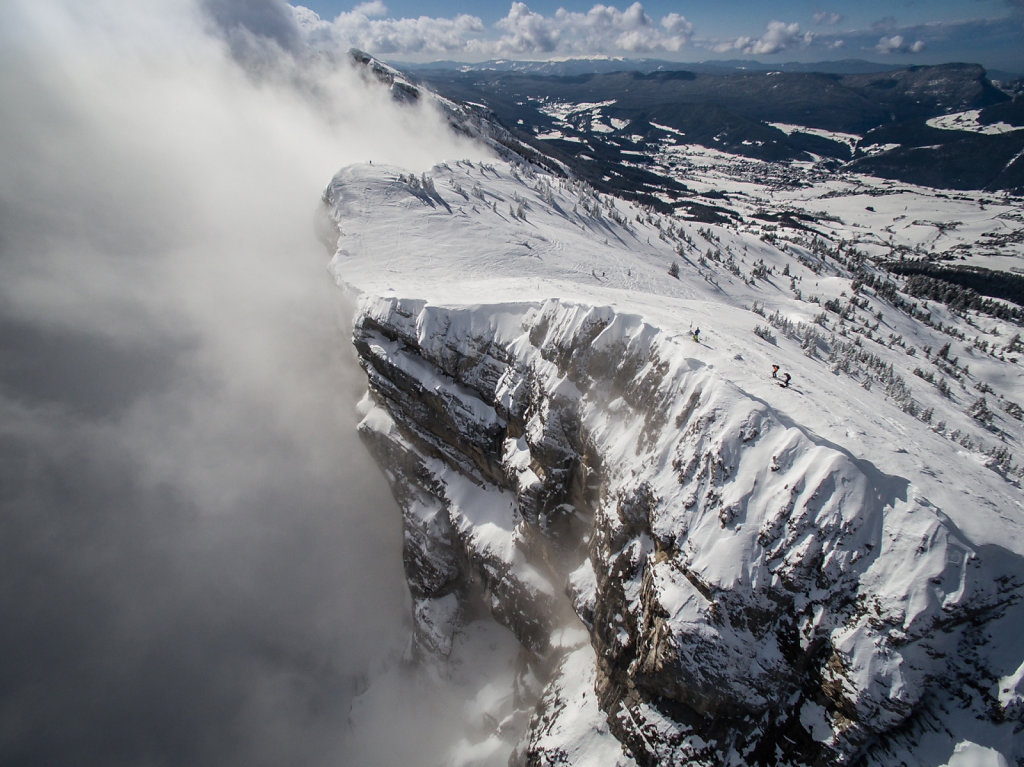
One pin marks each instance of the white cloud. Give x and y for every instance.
(173, 394)
(527, 32)
(778, 36)
(897, 44)
(726, 46)
(827, 18)
(373, 9)
(602, 29)
(675, 24)
(364, 28)
(522, 32)
(624, 30)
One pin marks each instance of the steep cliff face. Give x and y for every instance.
(700, 567)
(751, 592)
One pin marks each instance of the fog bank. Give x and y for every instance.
(198, 562)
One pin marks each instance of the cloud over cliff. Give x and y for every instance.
(197, 560)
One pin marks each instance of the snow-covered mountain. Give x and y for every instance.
(700, 564)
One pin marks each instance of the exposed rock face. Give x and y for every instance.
(752, 593)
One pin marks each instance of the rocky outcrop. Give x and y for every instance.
(751, 593)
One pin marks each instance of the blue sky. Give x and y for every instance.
(990, 32)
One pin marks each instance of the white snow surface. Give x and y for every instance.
(877, 216)
(850, 139)
(454, 250)
(581, 734)
(968, 121)
(933, 505)
(968, 754)
(562, 110)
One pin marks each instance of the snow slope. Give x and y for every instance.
(875, 509)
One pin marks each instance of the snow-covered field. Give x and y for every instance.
(876, 216)
(563, 110)
(850, 139)
(968, 121)
(928, 415)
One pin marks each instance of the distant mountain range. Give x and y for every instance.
(599, 65)
(945, 126)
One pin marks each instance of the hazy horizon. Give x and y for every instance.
(987, 32)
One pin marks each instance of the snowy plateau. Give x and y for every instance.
(682, 560)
